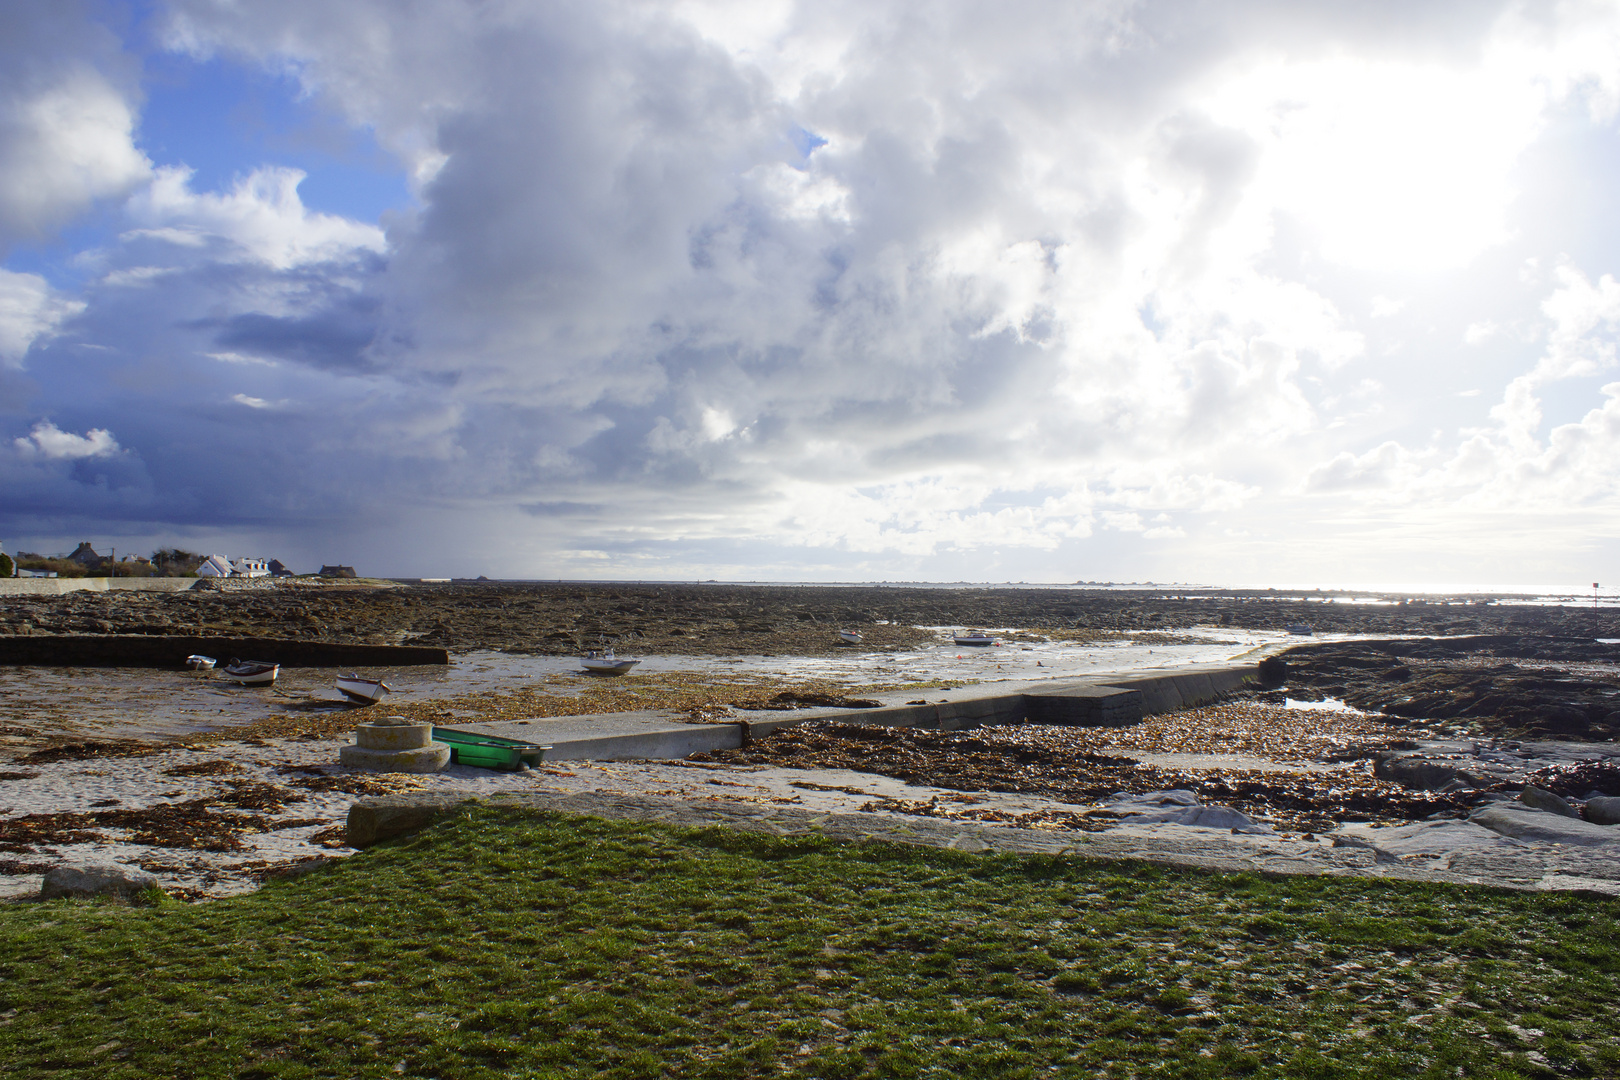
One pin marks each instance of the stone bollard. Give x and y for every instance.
(395, 744)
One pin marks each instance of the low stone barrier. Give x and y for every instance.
(132, 650)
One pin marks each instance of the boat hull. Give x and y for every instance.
(363, 691)
(489, 751)
(250, 674)
(608, 667)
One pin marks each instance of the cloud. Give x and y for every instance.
(849, 282)
(47, 441)
(29, 310)
(261, 219)
(67, 118)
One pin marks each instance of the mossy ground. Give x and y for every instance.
(500, 945)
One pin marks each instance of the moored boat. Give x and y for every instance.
(851, 637)
(1301, 629)
(605, 663)
(489, 751)
(251, 672)
(362, 690)
(977, 638)
(199, 662)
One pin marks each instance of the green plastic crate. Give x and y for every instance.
(489, 751)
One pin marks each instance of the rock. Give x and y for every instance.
(1542, 799)
(1273, 671)
(1422, 774)
(1603, 810)
(371, 821)
(95, 879)
(1442, 838)
(1181, 807)
(1538, 826)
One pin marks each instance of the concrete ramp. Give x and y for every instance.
(1092, 702)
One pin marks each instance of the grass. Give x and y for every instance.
(556, 946)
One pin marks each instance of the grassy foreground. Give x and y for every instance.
(575, 947)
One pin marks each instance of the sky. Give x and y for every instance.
(1255, 292)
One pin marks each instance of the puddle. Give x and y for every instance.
(1325, 705)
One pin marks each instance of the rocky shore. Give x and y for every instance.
(1526, 686)
(559, 619)
(1485, 731)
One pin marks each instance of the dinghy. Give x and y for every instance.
(199, 662)
(361, 690)
(605, 663)
(251, 672)
(977, 638)
(851, 637)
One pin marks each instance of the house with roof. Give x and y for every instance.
(214, 566)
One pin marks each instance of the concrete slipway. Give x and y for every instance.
(1099, 701)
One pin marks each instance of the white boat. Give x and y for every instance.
(605, 663)
(251, 672)
(199, 662)
(1300, 629)
(363, 690)
(974, 637)
(852, 637)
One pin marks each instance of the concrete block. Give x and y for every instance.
(393, 733)
(1084, 706)
(425, 759)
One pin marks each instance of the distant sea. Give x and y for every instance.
(1603, 595)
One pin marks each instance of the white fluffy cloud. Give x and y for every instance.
(260, 219)
(29, 310)
(66, 118)
(47, 441)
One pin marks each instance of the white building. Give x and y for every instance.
(215, 566)
(246, 567)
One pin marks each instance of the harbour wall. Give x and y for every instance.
(57, 586)
(132, 650)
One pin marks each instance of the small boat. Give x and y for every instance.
(251, 672)
(851, 637)
(1300, 629)
(974, 637)
(489, 751)
(199, 662)
(362, 690)
(605, 663)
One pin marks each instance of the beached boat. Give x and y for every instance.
(851, 637)
(1300, 629)
(251, 672)
(361, 690)
(605, 663)
(489, 751)
(977, 638)
(199, 662)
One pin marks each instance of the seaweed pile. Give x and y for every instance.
(1088, 765)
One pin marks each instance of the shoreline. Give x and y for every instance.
(215, 820)
(262, 790)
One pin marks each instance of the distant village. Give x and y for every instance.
(85, 561)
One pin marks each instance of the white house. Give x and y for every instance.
(215, 566)
(246, 567)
